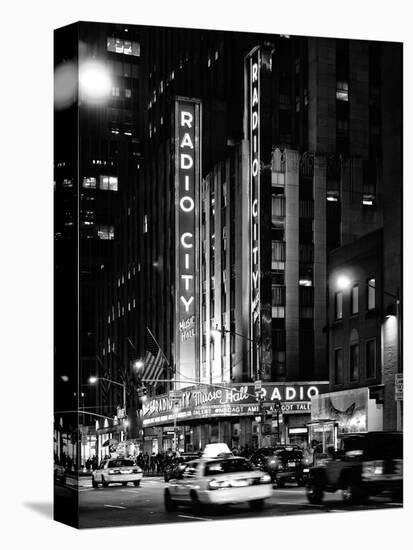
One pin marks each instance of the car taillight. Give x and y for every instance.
(218, 484)
(372, 468)
(273, 461)
(111, 471)
(265, 479)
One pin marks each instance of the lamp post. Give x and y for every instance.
(343, 283)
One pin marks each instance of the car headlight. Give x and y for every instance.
(111, 471)
(265, 479)
(218, 484)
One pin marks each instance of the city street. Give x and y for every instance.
(117, 505)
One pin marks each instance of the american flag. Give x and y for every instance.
(155, 360)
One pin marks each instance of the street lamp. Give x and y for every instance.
(344, 282)
(94, 80)
(138, 364)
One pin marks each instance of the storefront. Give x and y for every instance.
(348, 411)
(234, 414)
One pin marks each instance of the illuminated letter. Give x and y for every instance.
(183, 239)
(254, 96)
(186, 141)
(290, 393)
(187, 278)
(254, 254)
(255, 168)
(186, 183)
(186, 261)
(255, 279)
(255, 72)
(186, 208)
(255, 208)
(187, 303)
(312, 391)
(275, 394)
(189, 162)
(254, 120)
(186, 119)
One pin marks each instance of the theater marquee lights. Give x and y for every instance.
(187, 183)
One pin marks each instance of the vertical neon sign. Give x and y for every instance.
(187, 181)
(255, 168)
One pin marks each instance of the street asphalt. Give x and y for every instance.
(116, 505)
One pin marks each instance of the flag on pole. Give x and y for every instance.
(155, 360)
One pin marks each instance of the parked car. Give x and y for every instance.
(177, 465)
(117, 470)
(217, 481)
(284, 463)
(365, 464)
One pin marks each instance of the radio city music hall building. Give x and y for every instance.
(250, 143)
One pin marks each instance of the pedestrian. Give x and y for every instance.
(146, 462)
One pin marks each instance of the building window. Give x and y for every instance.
(67, 183)
(371, 359)
(342, 91)
(89, 183)
(115, 91)
(108, 183)
(145, 223)
(338, 306)
(355, 300)
(279, 361)
(126, 47)
(354, 362)
(338, 366)
(106, 232)
(371, 294)
(128, 93)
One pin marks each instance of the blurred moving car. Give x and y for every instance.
(365, 464)
(117, 470)
(177, 465)
(218, 481)
(284, 463)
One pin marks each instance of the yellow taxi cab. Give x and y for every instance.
(217, 478)
(117, 470)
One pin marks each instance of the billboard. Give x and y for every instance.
(187, 184)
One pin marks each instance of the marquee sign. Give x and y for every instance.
(238, 399)
(187, 178)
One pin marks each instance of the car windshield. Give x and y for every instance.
(229, 465)
(375, 446)
(120, 463)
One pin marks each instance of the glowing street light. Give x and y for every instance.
(94, 80)
(138, 364)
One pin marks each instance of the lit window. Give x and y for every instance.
(370, 358)
(128, 93)
(342, 91)
(89, 183)
(67, 183)
(115, 92)
(333, 196)
(108, 183)
(305, 282)
(371, 293)
(338, 366)
(106, 232)
(354, 362)
(338, 305)
(126, 47)
(145, 223)
(368, 200)
(355, 300)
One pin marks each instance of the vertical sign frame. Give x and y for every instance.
(255, 169)
(187, 150)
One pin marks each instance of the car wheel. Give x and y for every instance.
(104, 482)
(257, 505)
(137, 483)
(351, 492)
(195, 502)
(94, 483)
(314, 492)
(170, 505)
